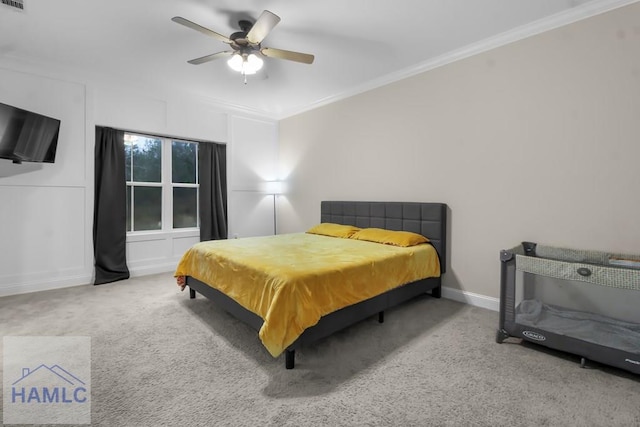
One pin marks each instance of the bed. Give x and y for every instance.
(308, 322)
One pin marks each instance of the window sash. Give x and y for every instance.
(167, 185)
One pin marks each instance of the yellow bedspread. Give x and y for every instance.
(292, 280)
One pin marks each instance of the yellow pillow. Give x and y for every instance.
(333, 230)
(390, 237)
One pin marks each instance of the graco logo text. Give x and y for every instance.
(534, 335)
(62, 386)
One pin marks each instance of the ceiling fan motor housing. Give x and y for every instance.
(245, 25)
(239, 39)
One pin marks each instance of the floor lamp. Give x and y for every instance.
(274, 188)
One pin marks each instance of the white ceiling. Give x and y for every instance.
(358, 44)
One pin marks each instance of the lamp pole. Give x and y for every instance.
(274, 188)
(275, 231)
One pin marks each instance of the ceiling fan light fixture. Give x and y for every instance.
(245, 64)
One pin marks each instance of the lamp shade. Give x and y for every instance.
(274, 187)
(245, 64)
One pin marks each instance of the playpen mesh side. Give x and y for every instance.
(580, 265)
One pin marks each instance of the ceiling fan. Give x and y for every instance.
(246, 44)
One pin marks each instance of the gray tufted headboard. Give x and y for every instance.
(428, 219)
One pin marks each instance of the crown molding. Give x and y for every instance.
(558, 20)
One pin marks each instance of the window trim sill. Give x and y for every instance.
(143, 236)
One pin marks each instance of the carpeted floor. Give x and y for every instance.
(159, 358)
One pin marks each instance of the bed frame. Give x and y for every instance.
(428, 219)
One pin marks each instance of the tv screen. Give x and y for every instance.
(26, 136)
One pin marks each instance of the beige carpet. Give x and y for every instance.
(159, 358)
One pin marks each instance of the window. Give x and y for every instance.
(162, 183)
(184, 172)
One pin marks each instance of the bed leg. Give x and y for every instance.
(381, 317)
(289, 359)
(192, 293)
(437, 292)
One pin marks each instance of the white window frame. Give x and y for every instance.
(167, 185)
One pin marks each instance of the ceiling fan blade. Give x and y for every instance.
(262, 27)
(211, 57)
(305, 58)
(180, 20)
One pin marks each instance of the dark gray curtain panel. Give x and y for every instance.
(110, 207)
(212, 169)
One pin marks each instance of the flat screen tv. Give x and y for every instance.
(26, 136)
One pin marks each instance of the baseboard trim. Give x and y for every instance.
(465, 297)
(135, 271)
(38, 286)
(470, 298)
